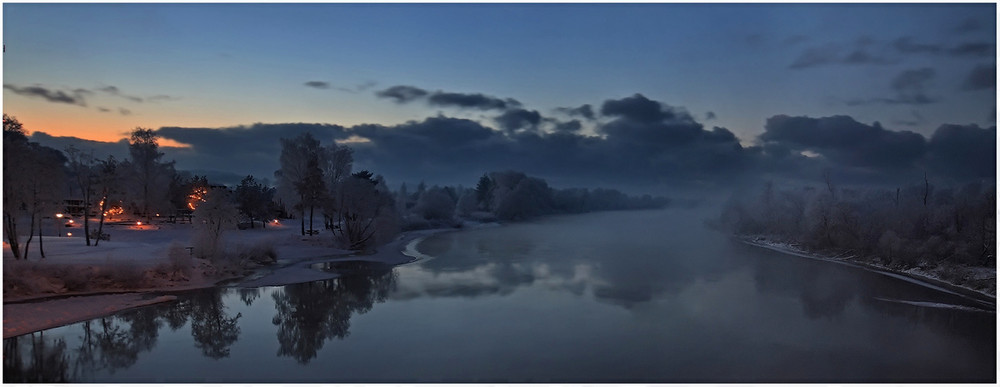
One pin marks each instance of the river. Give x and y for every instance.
(631, 296)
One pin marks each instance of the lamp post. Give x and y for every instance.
(58, 230)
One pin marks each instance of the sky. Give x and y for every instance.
(97, 71)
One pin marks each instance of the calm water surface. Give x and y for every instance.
(648, 296)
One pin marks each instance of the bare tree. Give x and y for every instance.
(15, 160)
(81, 165)
(300, 170)
(150, 175)
(107, 187)
(213, 217)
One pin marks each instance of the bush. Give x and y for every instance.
(261, 253)
(180, 259)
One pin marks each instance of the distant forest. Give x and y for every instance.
(914, 226)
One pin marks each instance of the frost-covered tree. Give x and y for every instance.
(212, 218)
(300, 178)
(254, 200)
(108, 188)
(367, 215)
(33, 184)
(82, 167)
(435, 204)
(149, 175)
(484, 192)
(15, 163)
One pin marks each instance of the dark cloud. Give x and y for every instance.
(963, 151)
(112, 90)
(472, 101)
(910, 86)
(104, 110)
(74, 97)
(571, 126)
(161, 98)
(968, 25)
(353, 90)
(845, 141)
(816, 56)
(317, 84)
(402, 94)
(638, 108)
(405, 94)
(358, 88)
(981, 77)
(518, 119)
(710, 116)
(585, 111)
(640, 142)
(973, 49)
(124, 111)
(863, 50)
(252, 149)
(906, 45)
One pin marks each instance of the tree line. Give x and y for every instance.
(914, 226)
(314, 182)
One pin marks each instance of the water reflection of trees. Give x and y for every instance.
(113, 343)
(309, 314)
(46, 360)
(212, 329)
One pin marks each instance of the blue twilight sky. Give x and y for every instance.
(95, 71)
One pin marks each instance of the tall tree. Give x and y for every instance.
(81, 165)
(253, 199)
(300, 160)
(15, 161)
(107, 187)
(149, 173)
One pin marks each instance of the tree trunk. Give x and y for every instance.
(31, 233)
(10, 223)
(41, 247)
(311, 218)
(86, 217)
(100, 224)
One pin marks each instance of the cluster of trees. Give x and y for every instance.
(918, 225)
(509, 195)
(38, 179)
(357, 207)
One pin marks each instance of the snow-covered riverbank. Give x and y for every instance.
(144, 248)
(926, 278)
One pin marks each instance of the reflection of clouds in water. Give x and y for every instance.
(490, 279)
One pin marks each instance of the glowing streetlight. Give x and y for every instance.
(138, 223)
(69, 234)
(58, 231)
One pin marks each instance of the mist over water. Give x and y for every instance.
(629, 296)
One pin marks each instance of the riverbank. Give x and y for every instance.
(53, 308)
(927, 278)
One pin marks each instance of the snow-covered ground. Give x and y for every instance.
(147, 246)
(913, 275)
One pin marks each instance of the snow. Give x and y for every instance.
(926, 304)
(147, 246)
(793, 249)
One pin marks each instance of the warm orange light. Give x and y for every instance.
(196, 197)
(71, 221)
(69, 234)
(59, 216)
(138, 223)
